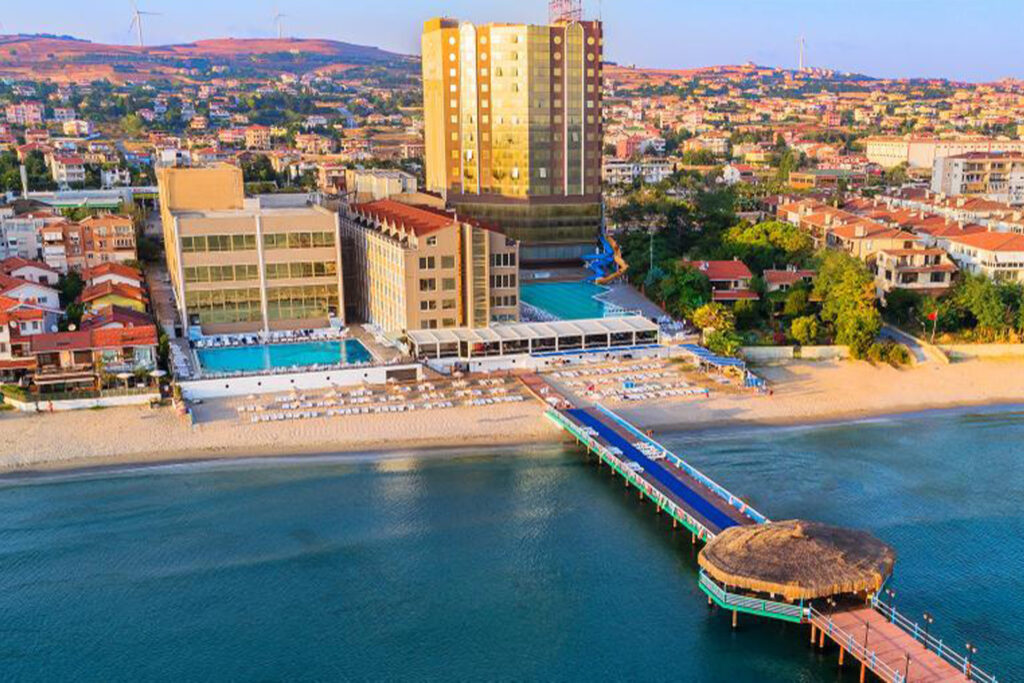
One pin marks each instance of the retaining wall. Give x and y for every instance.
(271, 384)
(82, 403)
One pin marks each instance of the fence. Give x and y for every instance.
(743, 603)
(930, 642)
(855, 647)
(707, 481)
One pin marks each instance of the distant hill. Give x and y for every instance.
(65, 59)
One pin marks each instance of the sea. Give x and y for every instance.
(506, 564)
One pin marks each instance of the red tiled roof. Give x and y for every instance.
(721, 270)
(111, 268)
(416, 219)
(108, 288)
(94, 339)
(115, 315)
(9, 265)
(733, 294)
(992, 241)
(786, 277)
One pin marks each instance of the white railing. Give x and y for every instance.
(707, 481)
(932, 643)
(855, 647)
(650, 489)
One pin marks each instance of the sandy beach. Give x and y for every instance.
(803, 392)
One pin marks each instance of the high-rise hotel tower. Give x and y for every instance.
(513, 128)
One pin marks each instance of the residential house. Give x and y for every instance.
(924, 270)
(998, 255)
(730, 280)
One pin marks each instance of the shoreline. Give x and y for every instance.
(459, 446)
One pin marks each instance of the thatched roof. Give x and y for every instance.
(798, 559)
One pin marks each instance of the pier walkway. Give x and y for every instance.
(882, 641)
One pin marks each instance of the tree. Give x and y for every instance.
(767, 244)
(131, 125)
(714, 317)
(797, 302)
(724, 343)
(69, 287)
(981, 298)
(684, 289)
(805, 330)
(746, 313)
(847, 292)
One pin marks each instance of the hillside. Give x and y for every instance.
(67, 59)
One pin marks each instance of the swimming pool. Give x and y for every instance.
(565, 300)
(272, 356)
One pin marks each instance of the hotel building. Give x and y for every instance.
(412, 267)
(513, 131)
(241, 264)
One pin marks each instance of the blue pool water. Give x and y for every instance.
(270, 356)
(497, 564)
(565, 300)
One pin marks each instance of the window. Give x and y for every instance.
(503, 281)
(448, 304)
(432, 241)
(427, 262)
(448, 322)
(428, 305)
(448, 284)
(428, 284)
(447, 261)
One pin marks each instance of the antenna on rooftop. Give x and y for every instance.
(136, 24)
(802, 45)
(278, 16)
(565, 11)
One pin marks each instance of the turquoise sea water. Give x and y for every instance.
(518, 564)
(269, 356)
(565, 300)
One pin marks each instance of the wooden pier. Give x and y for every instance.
(874, 636)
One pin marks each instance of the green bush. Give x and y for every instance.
(805, 330)
(889, 352)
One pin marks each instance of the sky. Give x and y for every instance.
(975, 40)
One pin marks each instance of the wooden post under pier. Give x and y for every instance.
(734, 617)
(842, 651)
(813, 631)
(821, 638)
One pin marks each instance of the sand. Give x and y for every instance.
(806, 392)
(803, 392)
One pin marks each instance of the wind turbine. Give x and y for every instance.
(136, 24)
(280, 24)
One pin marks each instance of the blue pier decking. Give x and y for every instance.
(699, 505)
(706, 508)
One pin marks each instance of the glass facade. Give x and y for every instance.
(300, 303)
(225, 305)
(297, 240)
(203, 243)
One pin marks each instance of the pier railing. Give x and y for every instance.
(930, 642)
(855, 646)
(743, 603)
(629, 475)
(722, 492)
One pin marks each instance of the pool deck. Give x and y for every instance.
(629, 297)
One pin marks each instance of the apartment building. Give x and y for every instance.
(889, 151)
(998, 176)
(413, 267)
(25, 113)
(513, 129)
(998, 255)
(19, 234)
(369, 184)
(924, 270)
(67, 170)
(241, 264)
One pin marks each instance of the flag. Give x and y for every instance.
(933, 316)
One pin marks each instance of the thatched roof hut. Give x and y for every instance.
(798, 560)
